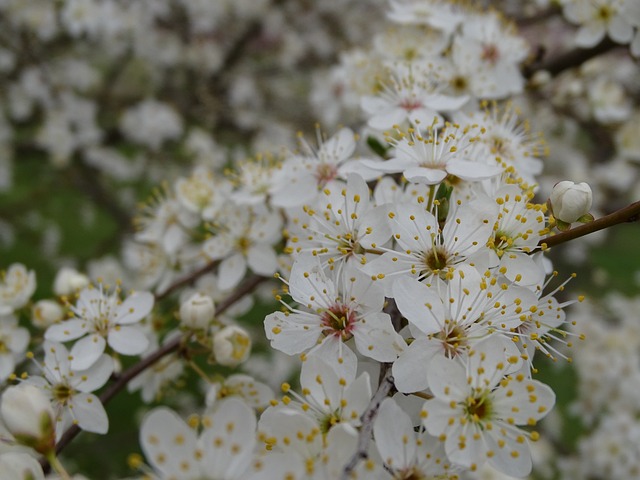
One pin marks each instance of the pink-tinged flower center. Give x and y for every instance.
(410, 104)
(325, 172)
(490, 53)
(338, 320)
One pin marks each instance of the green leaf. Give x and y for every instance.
(378, 148)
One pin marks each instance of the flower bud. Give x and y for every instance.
(46, 312)
(69, 281)
(197, 312)
(20, 466)
(231, 346)
(28, 415)
(570, 201)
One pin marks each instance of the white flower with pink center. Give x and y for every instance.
(429, 159)
(409, 96)
(304, 174)
(335, 307)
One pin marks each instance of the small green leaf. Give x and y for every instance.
(378, 148)
(586, 218)
(562, 226)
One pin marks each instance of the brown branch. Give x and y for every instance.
(187, 280)
(630, 213)
(570, 59)
(539, 16)
(384, 389)
(133, 371)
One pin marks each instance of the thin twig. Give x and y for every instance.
(384, 389)
(187, 280)
(570, 59)
(630, 213)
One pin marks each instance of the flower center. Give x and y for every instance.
(435, 260)
(490, 53)
(102, 325)
(62, 393)
(478, 408)
(501, 242)
(329, 421)
(325, 172)
(498, 146)
(411, 473)
(410, 104)
(459, 83)
(338, 320)
(604, 13)
(453, 338)
(243, 244)
(348, 245)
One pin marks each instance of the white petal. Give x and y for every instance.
(296, 192)
(388, 118)
(425, 176)
(419, 304)
(137, 306)
(322, 383)
(67, 330)
(231, 271)
(373, 228)
(90, 413)
(619, 30)
(262, 260)
(229, 442)
(410, 369)
(356, 398)
(293, 333)
(504, 460)
(472, 171)
(86, 351)
(447, 378)
(159, 432)
(589, 35)
(522, 269)
(95, 377)
(7, 364)
(338, 355)
(339, 147)
(446, 102)
(394, 435)
(18, 340)
(377, 338)
(128, 340)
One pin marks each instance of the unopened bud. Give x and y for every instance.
(197, 312)
(231, 346)
(569, 202)
(28, 415)
(69, 281)
(46, 312)
(20, 466)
